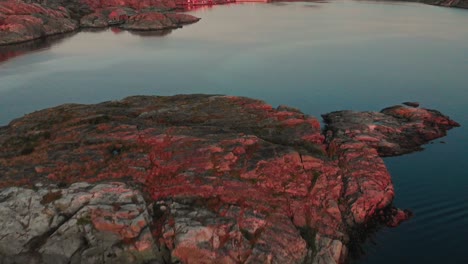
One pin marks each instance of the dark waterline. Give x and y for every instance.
(336, 55)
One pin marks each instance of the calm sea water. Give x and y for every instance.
(319, 57)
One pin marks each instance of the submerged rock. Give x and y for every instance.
(225, 179)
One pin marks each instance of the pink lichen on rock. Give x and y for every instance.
(229, 179)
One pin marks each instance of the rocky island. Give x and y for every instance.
(200, 179)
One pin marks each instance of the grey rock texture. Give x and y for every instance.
(101, 223)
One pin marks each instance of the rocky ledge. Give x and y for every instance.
(200, 179)
(22, 21)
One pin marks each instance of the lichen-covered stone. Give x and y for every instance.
(226, 179)
(20, 22)
(103, 223)
(157, 21)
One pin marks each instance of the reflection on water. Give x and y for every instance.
(311, 6)
(201, 7)
(343, 55)
(158, 33)
(117, 30)
(11, 51)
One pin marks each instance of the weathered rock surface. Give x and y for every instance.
(107, 17)
(103, 223)
(128, 18)
(228, 179)
(20, 22)
(393, 131)
(157, 21)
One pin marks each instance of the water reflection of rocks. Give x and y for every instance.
(12, 51)
(158, 33)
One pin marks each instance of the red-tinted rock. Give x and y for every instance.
(157, 21)
(182, 19)
(20, 22)
(394, 131)
(107, 16)
(397, 216)
(232, 179)
(135, 4)
(149, 21)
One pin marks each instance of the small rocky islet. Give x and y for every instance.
(200, 179)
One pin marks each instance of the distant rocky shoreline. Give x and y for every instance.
(26, 20)
(29, 20)
(200, 179)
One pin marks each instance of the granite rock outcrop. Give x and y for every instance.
(22, 21)
(216, 178)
